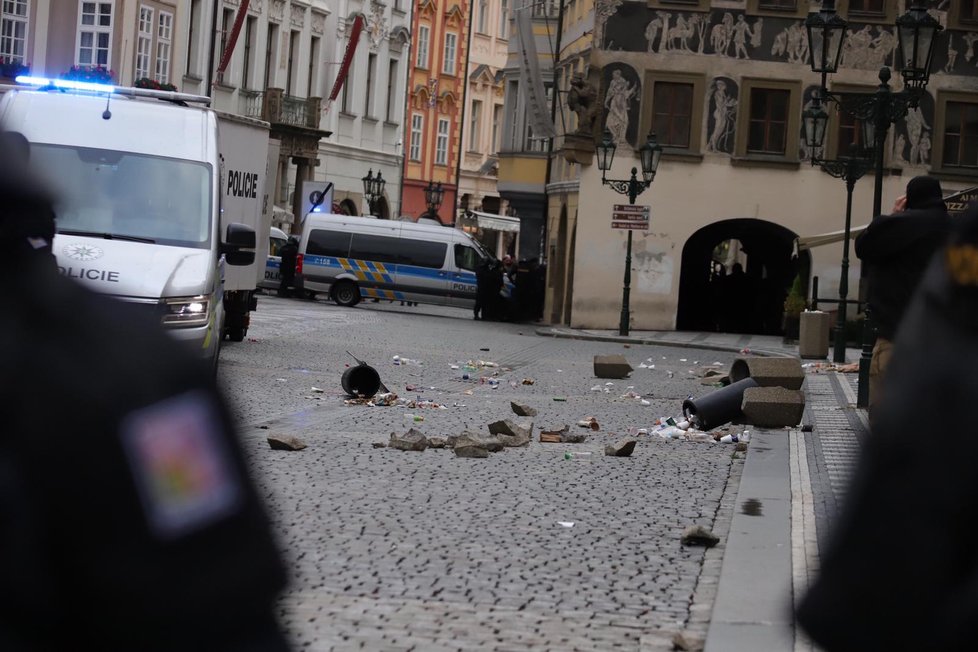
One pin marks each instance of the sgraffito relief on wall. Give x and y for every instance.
(722, 117)
(621, 93)
(913, 136)
(622, 26)
(807, 102)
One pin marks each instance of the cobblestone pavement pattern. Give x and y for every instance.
(394, 550)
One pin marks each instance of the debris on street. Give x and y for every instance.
(621, 448)
(697, 535)
(412, 440)
(285, 443)
(522, 410)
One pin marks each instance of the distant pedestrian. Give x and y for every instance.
(896, 249)
(128, 517)
(899, 573)
(289, 252)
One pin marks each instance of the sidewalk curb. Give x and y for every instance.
(622, 339)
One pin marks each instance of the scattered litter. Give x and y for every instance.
(589, 422)
(316, 390)
(645, 402)
(697, 535)
(560, 399)
(380, 400)
(682, 359)
(745, 351)
(581, 456)
(486, 348)
(671, 374)
(254, 339)
(822, 367)
(281, 380)
(528, 381)
(597, 388)
(566, 523)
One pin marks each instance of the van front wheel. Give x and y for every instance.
(346, 293)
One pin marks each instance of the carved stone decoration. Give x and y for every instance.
(276, 10)
(622, 92)
(582, 99)
(297, 16)
(377, 29)
(256, 6)
(318, 23)
(722, 118)
(808, 101)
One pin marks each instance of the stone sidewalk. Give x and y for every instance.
(792, 485)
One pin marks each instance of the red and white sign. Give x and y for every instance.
(628, 216)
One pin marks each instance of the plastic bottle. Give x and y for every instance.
(580, 456)
(414, 418)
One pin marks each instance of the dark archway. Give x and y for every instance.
(348, 207)
(713, 299)
(558, 262)
(382, 209)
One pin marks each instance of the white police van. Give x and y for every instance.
(273, 262)
(355, 257)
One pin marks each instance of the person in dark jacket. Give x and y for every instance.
(900, 572)
(288, 252)
(128, 516)
(896, 249)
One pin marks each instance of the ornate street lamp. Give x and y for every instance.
(650, 153)
(826, 36)
(917, 32)
(373, 188)
(433, 196)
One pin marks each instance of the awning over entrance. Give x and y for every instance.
(812, 241)
(497, 222)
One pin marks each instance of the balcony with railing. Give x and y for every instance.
(277, 108)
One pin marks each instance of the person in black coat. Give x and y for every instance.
(900, 572)
(896, 249)
(288, 253)
(128, 516)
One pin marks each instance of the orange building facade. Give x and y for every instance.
(432, 122)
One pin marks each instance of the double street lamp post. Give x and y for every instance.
(649, 153)
(917, 32)
(433, 196)
(373, 188)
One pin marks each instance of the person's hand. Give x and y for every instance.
(900, 204)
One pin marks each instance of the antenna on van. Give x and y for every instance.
(107, 114)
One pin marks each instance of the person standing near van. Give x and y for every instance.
(129, 518)
(289, 252)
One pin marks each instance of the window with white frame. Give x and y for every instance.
(451, 51)
(424, 32)
(144, 41)
(475, 126)
(164, 40)
(483, 16)
(13, 30)
(417, 124)
(441, 142)
(94, 34)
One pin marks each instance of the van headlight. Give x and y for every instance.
(187, 311)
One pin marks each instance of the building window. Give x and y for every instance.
(13, 31)
(451, 47)
(368, 109)
(475, 126)
(391, 89)
(144, 41)
(867, 8)
(251, 24)
(312, 75)
(969, 11)
(672, 111)
(192, 37)
(94, 34)
(424, 32)
(849, 133)
(767, 127)
(346, 104)
(271, 43)
(497, 121)
(441, 142)
(417, 124)
(227, 22)
(960, 135)
(164, 41)
(503, 19)
(290, 78)
(783, 5)
(483, 19)
(674, 107)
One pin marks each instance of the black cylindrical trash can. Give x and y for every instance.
(718, 407)
(361, 381)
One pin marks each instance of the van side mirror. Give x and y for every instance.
(238, 238)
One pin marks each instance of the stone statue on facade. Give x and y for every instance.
(582, 99)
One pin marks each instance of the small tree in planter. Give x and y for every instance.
(794, 305)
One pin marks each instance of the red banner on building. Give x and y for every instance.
(233, 37)
(347, 59)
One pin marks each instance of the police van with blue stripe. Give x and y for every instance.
(350, 258)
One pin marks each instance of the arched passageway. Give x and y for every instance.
(735, 276)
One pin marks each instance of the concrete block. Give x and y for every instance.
(773, 407)
(769, 372)
(611, 366)
(813, 335)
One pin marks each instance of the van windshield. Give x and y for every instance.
(123, 195)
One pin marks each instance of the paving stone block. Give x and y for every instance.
(773, 407)
(769, 372)
(611, 366)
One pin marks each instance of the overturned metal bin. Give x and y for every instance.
(718, 407)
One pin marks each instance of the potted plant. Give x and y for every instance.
(93, 74)
(146, 82)
(10, 69)
(794, 305)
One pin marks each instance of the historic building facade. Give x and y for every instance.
(433, 119)
(724, 84)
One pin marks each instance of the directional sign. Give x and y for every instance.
(628, 216)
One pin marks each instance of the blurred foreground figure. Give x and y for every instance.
(901, 572)
(127, 517)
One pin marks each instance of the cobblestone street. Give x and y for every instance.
(392, 550)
